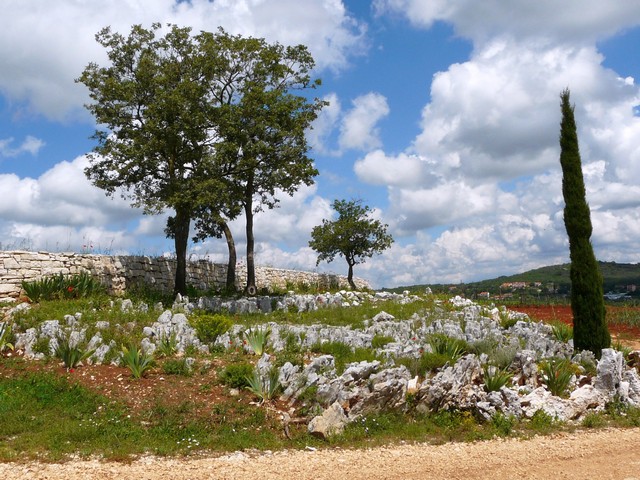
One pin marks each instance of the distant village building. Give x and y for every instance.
(514, 286)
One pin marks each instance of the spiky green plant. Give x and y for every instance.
(557, 374)
(257, 338)
(5, 335)
(495, 378)
(137, 360)
(450, 347)
(81, 285)
(561, 331)
(167, 344)
(71, 355)
(264, 387)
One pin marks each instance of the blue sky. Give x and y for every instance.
(444, 118)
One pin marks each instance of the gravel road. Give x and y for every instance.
(601, 454)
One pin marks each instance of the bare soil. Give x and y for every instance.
(628, 335)
(603, 454)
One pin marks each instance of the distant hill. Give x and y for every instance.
(546, 280)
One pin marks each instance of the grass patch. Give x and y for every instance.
(628, 316)
(47, 417)
(352, 316)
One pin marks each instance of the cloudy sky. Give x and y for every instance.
(443, 117)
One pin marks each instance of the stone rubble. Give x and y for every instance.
(383, 385)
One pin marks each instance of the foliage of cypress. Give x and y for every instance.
(587, 297)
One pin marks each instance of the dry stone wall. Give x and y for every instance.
(119, 272)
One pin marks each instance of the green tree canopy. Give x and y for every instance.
(201, 124)
(262, 126)
(354, 235)
(587, 297)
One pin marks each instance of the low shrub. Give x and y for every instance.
(502, 357)
(176, 366)
(427, 362)
(210, 326)
(235, 375)
(503, 425)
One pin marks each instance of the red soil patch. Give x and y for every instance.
(549, 313)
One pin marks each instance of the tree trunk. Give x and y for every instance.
(251, 268)
(350, 277)
(181, 239)
(231, 265)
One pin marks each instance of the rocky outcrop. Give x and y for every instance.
(384, 384)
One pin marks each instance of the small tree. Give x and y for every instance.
(587, 297)
(353, 235)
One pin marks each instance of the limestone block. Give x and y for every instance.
(331, 422)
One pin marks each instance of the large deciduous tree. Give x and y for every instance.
(353, 235)
(262, 126)
(587, 300)
(154, 113)
(202, 124)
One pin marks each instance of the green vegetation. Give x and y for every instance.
(354, 236)
(176, 366)
(236, 375)
(50, 416)
(5, 337)
(450, 347)
(71, 355)
(557, 374)
(57, 287)
(379, 341)
(426, 362)
(257, 339)
(167, 345)
(343, 354)
(495, 378)
(587, 297)
(210, 326)
(265, 387)
(137, 360)
(561, 331)
(554, 283)
(217, 120)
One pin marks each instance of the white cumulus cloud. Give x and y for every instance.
(30, 145)
(359, 128)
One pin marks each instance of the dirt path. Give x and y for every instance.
(604, 454)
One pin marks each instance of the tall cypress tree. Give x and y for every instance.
(587, 296)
